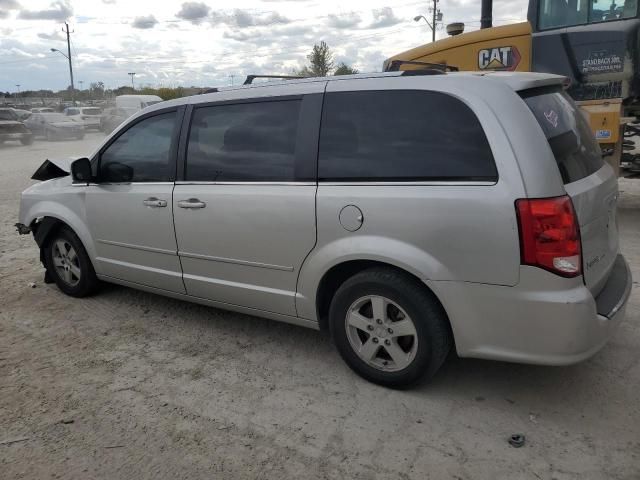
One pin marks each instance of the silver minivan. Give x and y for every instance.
(404, 213)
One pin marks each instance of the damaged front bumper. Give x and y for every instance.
(23, 229)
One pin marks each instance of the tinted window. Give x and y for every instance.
(562, 13)
(243, 142)
(570, 137)
(401, 135)
(140, 154)
(7, 115)
(72, 111)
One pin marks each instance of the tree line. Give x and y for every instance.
(320, 64)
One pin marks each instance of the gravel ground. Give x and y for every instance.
(132, 385)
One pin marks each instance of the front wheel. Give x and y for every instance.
(69, 265)
(389, 328)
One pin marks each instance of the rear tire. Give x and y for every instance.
(69, 265)
(389, 328)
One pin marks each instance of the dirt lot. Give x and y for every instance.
(132, 385)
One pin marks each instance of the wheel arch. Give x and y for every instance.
(334, 277)
(48, 221)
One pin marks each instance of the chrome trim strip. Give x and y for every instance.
(185, 182)
(409, 183)
(138, 247)
(234, 261)
(119, 183)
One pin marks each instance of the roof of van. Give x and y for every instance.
(517, 81)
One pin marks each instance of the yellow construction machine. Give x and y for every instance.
(594, 43)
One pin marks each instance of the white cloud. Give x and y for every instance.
(147, 21)
(59, 11)
(384, 17)
(201, 43)
(194, 12)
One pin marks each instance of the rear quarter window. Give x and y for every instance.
(570, 137)
(402, 135)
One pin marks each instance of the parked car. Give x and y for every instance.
(112, 117)
(21, 114)
(54, 126)
(404, 213)
(11, 128)
(88, 117)
(42, 110)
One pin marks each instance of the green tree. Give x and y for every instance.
(320, 61)
(344, 69)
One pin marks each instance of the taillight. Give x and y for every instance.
(550, 235)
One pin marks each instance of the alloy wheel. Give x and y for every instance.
(381, 333)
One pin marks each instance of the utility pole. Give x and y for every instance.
(133, 74)
(17, 92)
(437, 17)
(232, 76)
(66, 30)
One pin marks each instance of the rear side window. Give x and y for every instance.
(243, 142)
(573, 143)
(401, 135)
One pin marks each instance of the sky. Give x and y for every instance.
(206, 43)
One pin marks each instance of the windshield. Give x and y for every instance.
(573, 143)
(7, 115)
(564, 13)
(54, 117)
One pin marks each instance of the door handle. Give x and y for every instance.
(191, 203)
(154, 202)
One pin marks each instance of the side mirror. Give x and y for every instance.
(81, 171)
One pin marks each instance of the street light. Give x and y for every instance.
(68, 57)
(18, 92)
(437, 17)
(132, 75)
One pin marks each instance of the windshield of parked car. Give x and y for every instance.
(564, 13)
(7, 115)
(54, 117)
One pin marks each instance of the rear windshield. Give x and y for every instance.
(570, 137)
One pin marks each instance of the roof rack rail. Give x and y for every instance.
(250, 78)
(394, 66)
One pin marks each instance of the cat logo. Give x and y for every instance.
(499, 58)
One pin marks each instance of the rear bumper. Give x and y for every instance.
(544, 320)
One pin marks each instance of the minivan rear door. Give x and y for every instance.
(588, 180)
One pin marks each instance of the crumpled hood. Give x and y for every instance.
(53, 169)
